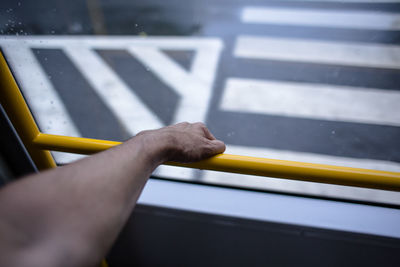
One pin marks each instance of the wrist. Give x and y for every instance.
(155, 145)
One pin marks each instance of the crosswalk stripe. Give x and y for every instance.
(194, 87)
(114, 42)
(46, 105)
(177, 78)
(322, 18)
(318, 101)
(293, 49)
(134, 115)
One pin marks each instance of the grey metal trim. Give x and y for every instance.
(326, 214)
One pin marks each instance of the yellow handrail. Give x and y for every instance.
(245, 165)
(38, 143)
(21, 117)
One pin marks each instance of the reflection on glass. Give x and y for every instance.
(301, 82)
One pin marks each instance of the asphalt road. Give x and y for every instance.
(299, 80)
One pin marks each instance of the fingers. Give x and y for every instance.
(211, 148)
(192, 142)
(214, 146)
(208, 134)
(218, 146)
(204, 130)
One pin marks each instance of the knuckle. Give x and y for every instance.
(200, 124)
(202, 127)
(183, 124)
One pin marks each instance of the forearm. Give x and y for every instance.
(81, 200)
(75, 212)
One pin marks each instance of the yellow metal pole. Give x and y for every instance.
(103, 263)
(18, 112)
(71, 144)
(38, 143)
(246, 165)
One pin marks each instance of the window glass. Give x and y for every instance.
(311, 81)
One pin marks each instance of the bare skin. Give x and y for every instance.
(71, 215)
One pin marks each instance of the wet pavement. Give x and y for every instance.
(315, 86)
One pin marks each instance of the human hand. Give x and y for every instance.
(185, 142)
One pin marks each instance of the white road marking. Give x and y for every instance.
(352, 19)
(48, 109)
(115, 42)
(202, 75)
(306, 187)
(194, 87)
(293, 49)
(122, 101)
(317, 101)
